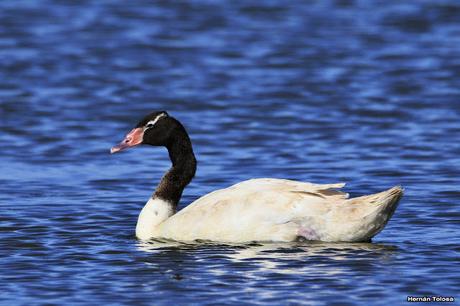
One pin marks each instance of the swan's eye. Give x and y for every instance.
(151, 123)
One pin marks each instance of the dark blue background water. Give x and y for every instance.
(364, 92)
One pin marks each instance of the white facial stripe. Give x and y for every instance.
(152, 122)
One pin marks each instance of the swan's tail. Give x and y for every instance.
(369, 214)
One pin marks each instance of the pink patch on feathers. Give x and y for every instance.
(307, 233)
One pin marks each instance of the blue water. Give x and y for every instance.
(363, 92)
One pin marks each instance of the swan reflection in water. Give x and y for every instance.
(303, 258)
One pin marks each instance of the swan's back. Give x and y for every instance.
(281, 210)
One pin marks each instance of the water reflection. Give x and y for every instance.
(251, 250)
(279, 257)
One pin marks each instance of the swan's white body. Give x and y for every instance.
(271, 210)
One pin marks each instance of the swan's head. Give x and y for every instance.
(155, 129)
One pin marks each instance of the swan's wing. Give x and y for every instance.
(259, 209)
(282, 185)
(269, 185)
(281, 210)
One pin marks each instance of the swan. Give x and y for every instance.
(263, 209)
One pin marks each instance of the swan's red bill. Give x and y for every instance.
(133, 138)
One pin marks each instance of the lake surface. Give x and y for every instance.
(362, 92)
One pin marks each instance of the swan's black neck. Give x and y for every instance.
(182, 171)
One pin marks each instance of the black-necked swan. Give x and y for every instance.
(263, 209)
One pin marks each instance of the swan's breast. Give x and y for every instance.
(155, 211)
